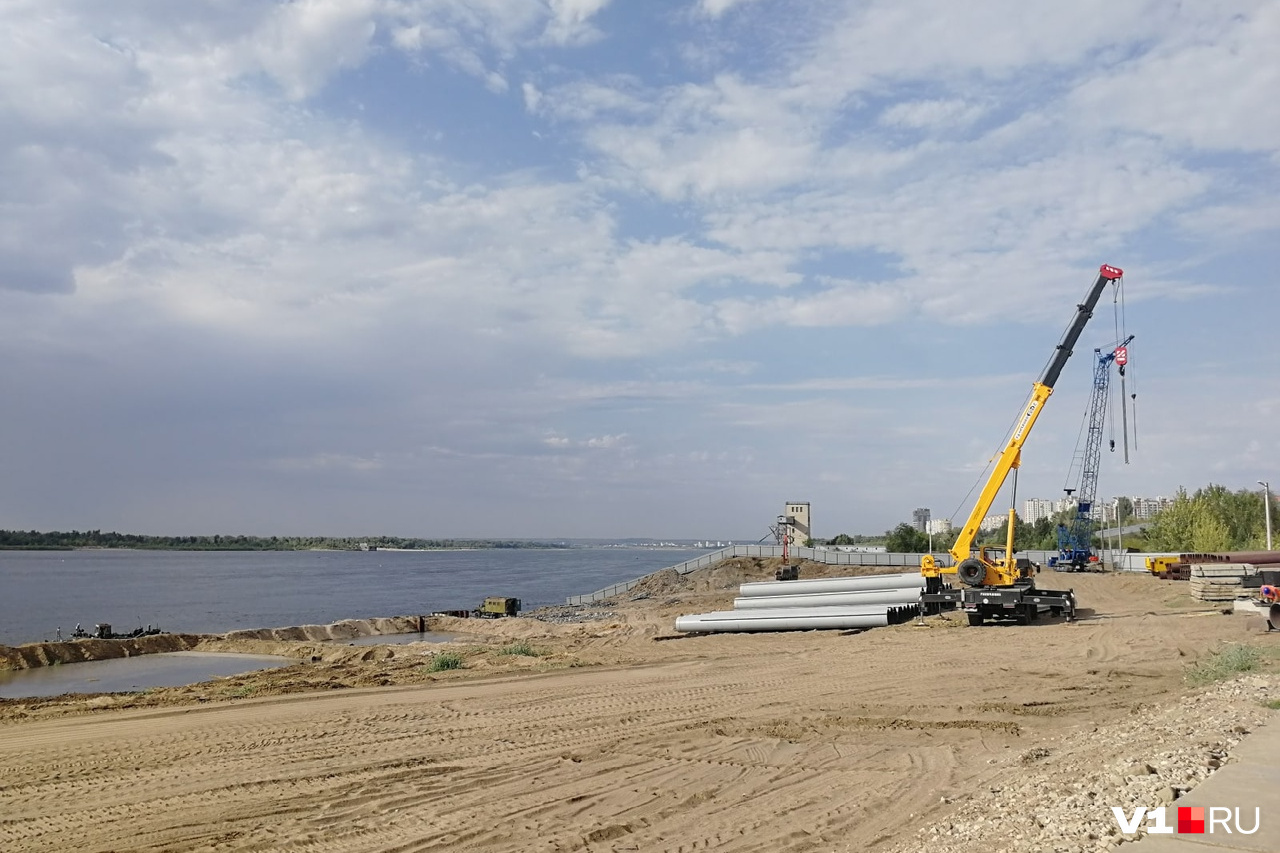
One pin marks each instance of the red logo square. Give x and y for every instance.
(1191, 820)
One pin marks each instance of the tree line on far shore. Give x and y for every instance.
(32, 540)
(1211, 519)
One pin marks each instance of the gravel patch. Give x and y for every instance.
(1059, 796)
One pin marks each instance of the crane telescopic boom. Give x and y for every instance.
(994, 574)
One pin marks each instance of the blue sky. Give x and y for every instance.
(593, 268)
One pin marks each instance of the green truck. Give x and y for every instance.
(496, 606)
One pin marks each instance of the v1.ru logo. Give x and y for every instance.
(1192, 820)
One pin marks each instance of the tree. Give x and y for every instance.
(1044, 535)
(1124, 509)
(1213, 519)
(905, 539)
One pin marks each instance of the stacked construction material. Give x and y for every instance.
(1181, 569)
(1220, 581)
(870, 601)
(1255, 558)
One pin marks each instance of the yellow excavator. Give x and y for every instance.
(997, 585)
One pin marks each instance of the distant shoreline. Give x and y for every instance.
(530, 546)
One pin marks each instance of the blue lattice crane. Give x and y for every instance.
(1075, 540)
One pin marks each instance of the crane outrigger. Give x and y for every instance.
(996, 584)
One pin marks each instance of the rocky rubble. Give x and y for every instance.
(1065, 805)
(572, 614)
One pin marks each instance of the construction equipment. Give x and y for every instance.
(996, 584)
(1075, 540)
(496, 606)
(1164, 567)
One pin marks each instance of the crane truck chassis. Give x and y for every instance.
(1021, 601)
(996, 584)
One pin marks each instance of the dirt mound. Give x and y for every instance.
(665, 582)
(268, 641)
(34, 655)
(348, 629)
(733, 572)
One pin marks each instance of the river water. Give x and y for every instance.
(129, 675)
(218, 591)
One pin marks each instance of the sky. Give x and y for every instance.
(592, 268)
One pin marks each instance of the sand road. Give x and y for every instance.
(805, 741)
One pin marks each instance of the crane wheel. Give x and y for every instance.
(972, 572)
(976, 619)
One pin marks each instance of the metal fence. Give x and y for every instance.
(1112, 560)
(1125, 562)
(830, 556)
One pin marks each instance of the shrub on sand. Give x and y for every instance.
(520, 648)
(445, 660)
(1225, 664)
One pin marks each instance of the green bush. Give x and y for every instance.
(445, 660)
(1224, 664)
(520, 648)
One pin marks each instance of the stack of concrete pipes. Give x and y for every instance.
(862, 602)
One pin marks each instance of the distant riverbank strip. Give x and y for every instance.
(32, 540)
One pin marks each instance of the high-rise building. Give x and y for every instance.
(1145, 508)
(920, 519)
(991, 522)
(1034, 509)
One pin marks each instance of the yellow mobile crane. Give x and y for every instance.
(996, 584)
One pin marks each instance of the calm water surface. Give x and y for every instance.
(128, 675)
(214, 592)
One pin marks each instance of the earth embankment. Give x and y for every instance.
(32, 655)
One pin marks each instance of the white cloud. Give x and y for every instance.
(895, 40)
(584, 101)
(532, 97)
(952, 112)
(839, 304)
(303, 43)
(716, 8)
(328, 461)
(480, 37)
(1212, 86)
(725, 137)
(570, 21)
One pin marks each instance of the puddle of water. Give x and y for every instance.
(128, 675)
(398, 639)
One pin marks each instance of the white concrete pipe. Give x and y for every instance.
(785, 619)
(881, 597)
(912, 580)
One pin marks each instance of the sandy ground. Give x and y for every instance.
(619, 735)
